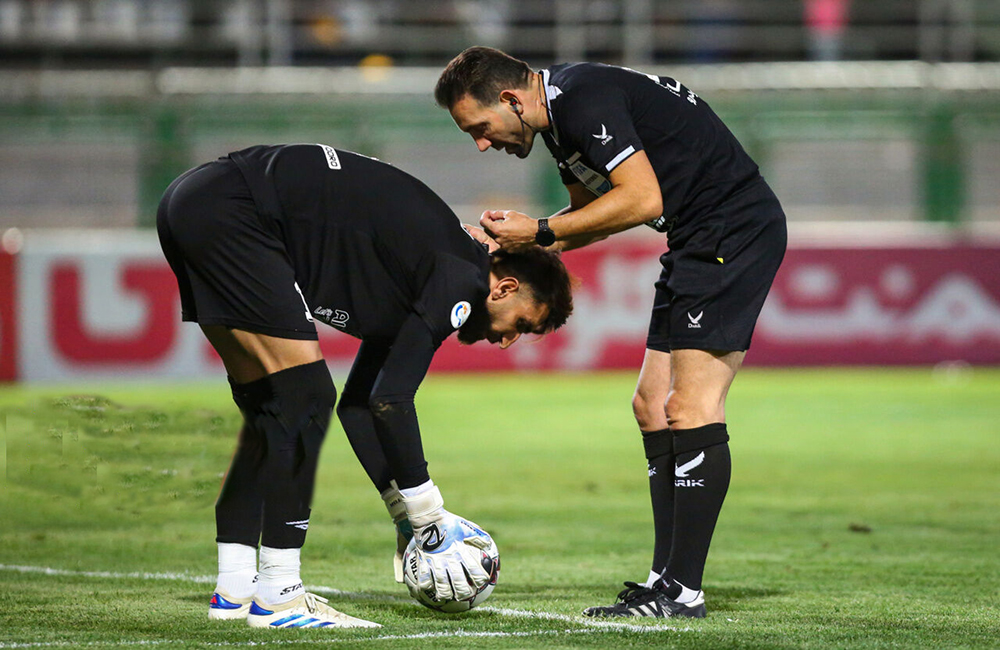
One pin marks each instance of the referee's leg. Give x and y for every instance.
(696, 415)
(657, 440)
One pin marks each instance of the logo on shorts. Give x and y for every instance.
(460, 313)
(335, 317)
(695, 324)
(301, 524)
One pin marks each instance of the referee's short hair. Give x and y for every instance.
(481, 72)
(546, 276)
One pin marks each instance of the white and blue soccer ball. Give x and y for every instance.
(415, 568)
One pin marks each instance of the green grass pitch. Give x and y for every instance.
(864, 511)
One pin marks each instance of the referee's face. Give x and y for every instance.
(493, 127)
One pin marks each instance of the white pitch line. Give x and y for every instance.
(283, 642)
(280, 642)
(503, 611)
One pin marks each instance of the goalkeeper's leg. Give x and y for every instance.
(238, 519)
(287, 397)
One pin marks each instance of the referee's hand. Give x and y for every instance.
(480, 236)
(512, 231)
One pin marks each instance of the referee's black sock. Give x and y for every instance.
(701, 480)
(659, 447)
(291, 410)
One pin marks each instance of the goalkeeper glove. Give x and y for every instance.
(449, 546)
(394, 504)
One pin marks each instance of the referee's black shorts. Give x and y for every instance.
(712, 288)
(230, 270)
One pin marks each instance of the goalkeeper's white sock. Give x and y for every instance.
(237, 570)
(279, 575)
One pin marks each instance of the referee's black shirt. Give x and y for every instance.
(369, 243)
(601, 115)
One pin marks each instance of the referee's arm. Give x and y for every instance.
(634, 199)
(579, 197)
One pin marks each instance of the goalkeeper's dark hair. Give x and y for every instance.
(545, 275)
(481, 72)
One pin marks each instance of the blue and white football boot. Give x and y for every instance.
(224, 607)
(308, 610)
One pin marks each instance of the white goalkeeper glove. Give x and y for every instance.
(451, 547)
(394, 504)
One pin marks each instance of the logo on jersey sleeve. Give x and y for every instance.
(460, 313)
(603, 135)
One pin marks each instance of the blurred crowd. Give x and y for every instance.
(282, 32)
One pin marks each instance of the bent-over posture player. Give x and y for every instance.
(271, 239)
(634, 149)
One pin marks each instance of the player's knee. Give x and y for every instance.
(688, 410)
(291, 409)
(648, 410)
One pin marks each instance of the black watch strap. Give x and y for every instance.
(544, 235)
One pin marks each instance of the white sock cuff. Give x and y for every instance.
(280, 561)
(237, 557)
(687, 595)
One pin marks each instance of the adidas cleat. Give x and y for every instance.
(639, 600)
(308, 610)
(226, 608)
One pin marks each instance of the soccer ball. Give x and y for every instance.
(413, 567)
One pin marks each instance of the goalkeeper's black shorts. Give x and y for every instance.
(230, 270)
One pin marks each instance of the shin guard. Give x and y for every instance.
(290, 410)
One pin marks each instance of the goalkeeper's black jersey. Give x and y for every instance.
(369, 243)
(601, 115)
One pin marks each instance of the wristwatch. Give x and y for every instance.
(544, 236)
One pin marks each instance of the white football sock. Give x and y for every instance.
(279, 575)
(237, 570)
(653, 577)
(687, 595)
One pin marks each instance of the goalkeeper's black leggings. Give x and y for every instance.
(268, 490)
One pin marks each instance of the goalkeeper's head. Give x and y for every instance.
(530, 293)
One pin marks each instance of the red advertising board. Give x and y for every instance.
(882, 306)
(110, 310)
